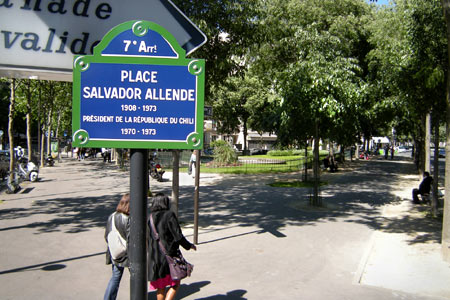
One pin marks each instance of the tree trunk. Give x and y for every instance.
(58, 123)
(40, 148)
(12, 100)
(418, 153)
(245, 137)
(435, 199)
(306, 161)
(29, 119)
(357, 151)
(427, 164)
(51, 96)
(316, 201)
(420, 147)
(49, 128)
(175, 180)
(330, 148)
(446, 222)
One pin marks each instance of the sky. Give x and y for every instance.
(380, 2)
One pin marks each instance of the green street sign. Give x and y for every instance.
(138, 90)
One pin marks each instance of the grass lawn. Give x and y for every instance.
(265, 156)
(291, 163)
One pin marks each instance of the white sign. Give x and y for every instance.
(38, 38)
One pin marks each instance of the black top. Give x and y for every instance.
(425, 185)
(169, 231)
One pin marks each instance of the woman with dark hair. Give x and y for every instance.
(169, 231)
(122, 223)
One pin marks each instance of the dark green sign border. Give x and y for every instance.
(81, 63)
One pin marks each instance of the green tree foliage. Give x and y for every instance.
(385, 61)
(244, 101)
(229, 27)
(40, 107)
(4, 106)
(311, 53)
(408, 62)
(408, 67)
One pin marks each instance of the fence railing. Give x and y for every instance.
(248, 164)
(245, 164)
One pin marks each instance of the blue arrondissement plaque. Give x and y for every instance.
(138, 90)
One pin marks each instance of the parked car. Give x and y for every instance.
(402, 149)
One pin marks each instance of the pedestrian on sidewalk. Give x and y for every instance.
(169, 231)
(424, 187)
(106, 153)
(121, 221)
(192, 161)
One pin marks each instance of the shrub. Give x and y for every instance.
(223, 153)
(277, 153)
(298, 152)
(288, 152)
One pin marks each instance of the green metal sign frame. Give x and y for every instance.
(138, 90)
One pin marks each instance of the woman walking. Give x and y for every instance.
(118, 221)
(169, 231)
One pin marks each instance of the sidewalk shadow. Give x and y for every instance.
(417, 224)
(250, 201)
(233, 295)
(71, 214)
(407, 219)
(358, 194)
(185, 290)
(246, 200)
(50, 265)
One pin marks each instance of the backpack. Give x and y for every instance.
(116, 243)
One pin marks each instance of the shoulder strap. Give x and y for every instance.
(113, 223)
(155, 233)
(152, 224)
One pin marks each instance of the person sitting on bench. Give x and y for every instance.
(424, 188)
(329, 162)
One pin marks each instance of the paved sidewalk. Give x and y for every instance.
(256, 241)
(409, 243)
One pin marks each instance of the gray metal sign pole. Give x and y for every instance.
(175, 180)
(138, 227)
(196, 194)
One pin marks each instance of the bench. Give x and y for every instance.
(425, 198)
(327, 164)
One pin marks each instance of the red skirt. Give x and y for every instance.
(163, 282)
